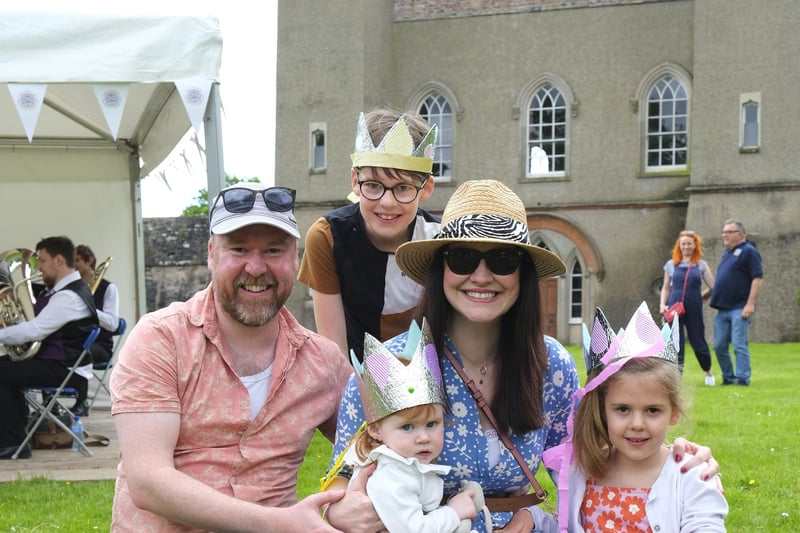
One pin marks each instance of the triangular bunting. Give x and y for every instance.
(112, 98)
(194, 94)
(28, 99)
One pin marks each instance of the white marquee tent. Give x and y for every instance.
(89, 105)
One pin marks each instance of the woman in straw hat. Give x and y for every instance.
(481, 297)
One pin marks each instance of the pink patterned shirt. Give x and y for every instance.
(174, 361)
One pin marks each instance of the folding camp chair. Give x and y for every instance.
(102, 369)
(45, 408)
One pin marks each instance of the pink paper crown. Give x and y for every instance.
(387, 385)
(596, 345)
(641, 338)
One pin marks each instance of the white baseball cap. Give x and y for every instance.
(249, 203)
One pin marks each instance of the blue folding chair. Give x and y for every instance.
(102, 369)
(45, 409)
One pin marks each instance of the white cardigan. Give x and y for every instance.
(676, 503)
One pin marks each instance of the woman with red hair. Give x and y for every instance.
(688, 268)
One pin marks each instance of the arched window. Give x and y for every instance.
(664, 100)
(667, 125)
(437, 110)
(547, 132)
(545, 106)
(576, 292)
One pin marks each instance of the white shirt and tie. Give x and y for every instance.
(63, 307)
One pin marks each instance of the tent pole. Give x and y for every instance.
(140, 286)
(215, 166)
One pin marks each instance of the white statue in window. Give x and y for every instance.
(539, 163)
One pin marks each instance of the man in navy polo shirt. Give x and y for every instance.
(738, 282)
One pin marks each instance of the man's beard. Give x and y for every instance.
(48, 280)
(251, 313)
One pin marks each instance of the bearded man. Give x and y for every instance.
(216, 399)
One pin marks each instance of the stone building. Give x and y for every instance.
(619, 123)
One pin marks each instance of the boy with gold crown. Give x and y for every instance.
(349, 261)
(404, 411)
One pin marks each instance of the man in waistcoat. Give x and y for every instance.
(65, 315)
(106, 300)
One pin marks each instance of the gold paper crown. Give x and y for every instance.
(388, 386)
(396, 149)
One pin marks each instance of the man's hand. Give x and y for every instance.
(521, 522)
(531, 519)
(304, 517)
(354, 513)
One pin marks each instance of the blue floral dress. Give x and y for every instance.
(465, 445)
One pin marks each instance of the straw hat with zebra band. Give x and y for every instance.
(479, 212)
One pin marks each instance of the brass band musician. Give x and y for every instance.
(64, 316)
(106, 301)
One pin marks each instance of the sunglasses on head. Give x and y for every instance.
(501, 261)
(242, 200)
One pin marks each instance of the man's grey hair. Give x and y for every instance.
(738, 224)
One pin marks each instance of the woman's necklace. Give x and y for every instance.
(483, 370)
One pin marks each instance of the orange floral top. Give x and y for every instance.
(614, 509)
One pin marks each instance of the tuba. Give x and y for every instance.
(17, 274)
(99, 272)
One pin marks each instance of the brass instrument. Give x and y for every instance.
(17, 273)
(99, 272)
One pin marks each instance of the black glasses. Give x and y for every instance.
(501, 261)
(242, 200)
(729, 231)
(405, 193)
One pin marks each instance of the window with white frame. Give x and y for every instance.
(576, 292)
(547, 132)
(667, 125)
(750, 131)
(318, 146)
(437, 110)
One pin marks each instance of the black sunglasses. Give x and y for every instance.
(501, 261)
(242, 200)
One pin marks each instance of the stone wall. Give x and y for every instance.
(175, 251)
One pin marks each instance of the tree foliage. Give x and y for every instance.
(200, 207)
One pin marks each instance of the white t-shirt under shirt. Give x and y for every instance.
(258, 387)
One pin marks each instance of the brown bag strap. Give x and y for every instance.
(511, 504)
(484, 405)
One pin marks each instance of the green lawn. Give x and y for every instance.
(753, 432)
